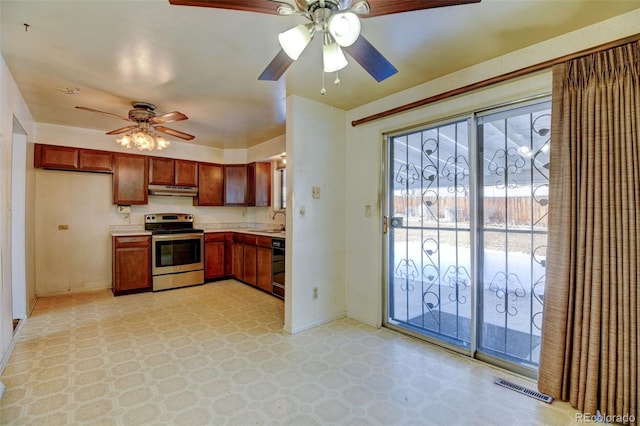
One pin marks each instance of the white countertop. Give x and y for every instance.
(133, 230)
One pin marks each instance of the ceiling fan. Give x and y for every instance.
(142, 134)
(338, 23)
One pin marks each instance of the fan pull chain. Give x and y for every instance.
(323, 91)
(337, 80)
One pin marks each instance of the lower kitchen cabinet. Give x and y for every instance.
(247, 258)
(237, 257)
(263, 265)
(214, 255)
(250, 260)
(131, 264)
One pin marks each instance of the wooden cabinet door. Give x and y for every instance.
(186, 173)
(214, 255)
(238, 260)
(210, 185)
(161, 171)
(235, 185)
(91, 160)
(57, 157)
(259, 184)
(130, 179)
(263, 279)
(250, 264)
(131, 264)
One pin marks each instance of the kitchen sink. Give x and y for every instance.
(271, 231)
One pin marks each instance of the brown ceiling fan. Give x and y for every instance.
(338, 23)
(144, 116)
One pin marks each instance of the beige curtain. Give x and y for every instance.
(590, 333)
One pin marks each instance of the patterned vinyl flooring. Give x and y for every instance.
(217, 355)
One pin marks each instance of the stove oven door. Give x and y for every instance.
(174, 253)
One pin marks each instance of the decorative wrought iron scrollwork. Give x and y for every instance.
(456, 171)
(407, 174)
(506, 162)
(509, 288)
(459, 280)
(407, 271)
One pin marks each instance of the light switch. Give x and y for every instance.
(367, 210)
(301, 211)
(316, 192)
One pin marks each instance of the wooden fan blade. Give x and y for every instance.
(169, 117)
(276, 67)
(260, 6)
(388, 7)
(121, 130)
(102, 112)
(176, 133)
(370, 59)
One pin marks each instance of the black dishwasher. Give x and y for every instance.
(277, 266)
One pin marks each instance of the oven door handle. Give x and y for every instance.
(173, 237)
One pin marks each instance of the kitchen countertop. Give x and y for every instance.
(133, 230)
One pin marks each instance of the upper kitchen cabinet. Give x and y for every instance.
(130, 179)
(68, 158)
(210, 185)
(235, 185)
(166, 171)
(259, 184)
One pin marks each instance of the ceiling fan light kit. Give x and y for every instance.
(295, 40)
(344, 28)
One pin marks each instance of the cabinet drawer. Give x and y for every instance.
(133, 241)
(214, 237)
(263, 241)
(250, 240)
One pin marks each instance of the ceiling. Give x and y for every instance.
(205, 62)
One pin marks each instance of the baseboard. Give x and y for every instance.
(334, 317)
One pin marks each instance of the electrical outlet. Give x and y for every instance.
(301, 211)
(124, 209)
(316, 192)
(367, 210)
(63, 227)
(315, 292)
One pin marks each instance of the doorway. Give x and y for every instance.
(467, 209)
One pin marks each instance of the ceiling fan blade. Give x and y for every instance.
(169, 117)
(388, 7)
(276, 67)
(260, 6)
(104, 113)
(176, 133)
(121, 130)
(370, 59)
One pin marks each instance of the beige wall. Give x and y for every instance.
(315, 240)
(364, 241)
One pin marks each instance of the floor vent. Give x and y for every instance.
(533, 394)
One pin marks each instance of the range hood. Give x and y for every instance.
(176, 191)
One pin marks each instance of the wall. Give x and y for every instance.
(12, 106)
(79, 259)
(364, 148)
(315, 251)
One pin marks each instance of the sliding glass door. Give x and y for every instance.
(467, 209)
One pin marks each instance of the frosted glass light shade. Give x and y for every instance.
(345, 28)
(294, 41)
(333, 57)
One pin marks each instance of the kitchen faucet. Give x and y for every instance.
(283, 214)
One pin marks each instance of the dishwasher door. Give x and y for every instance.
(277, 266)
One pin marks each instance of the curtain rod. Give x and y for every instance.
(497, 79)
